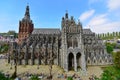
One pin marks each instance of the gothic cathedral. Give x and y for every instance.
(74, 47)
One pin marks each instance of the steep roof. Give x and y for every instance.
(46, 31)
(87, 31)
(27, 15)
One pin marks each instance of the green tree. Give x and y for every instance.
(69, 78)
(98, 35)
(106, 75)
(103, 35)
(12, 33)
(113, 45)
(113, 34)
(2, 77)
(119, 33)
(117, 59)
(34, 77)
(109, 48)
(4, 48)
(112, 72)
(108, 34)
(116, 34)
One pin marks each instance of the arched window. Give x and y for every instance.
(88, 61)
(100, 61)
(94, 61)
(69, 42)
(75, 43)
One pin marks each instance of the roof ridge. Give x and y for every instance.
(47, 28)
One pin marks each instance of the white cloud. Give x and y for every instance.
(101, 24)
(86, 15)
(107, 27)
(98, 20)
(113, 4)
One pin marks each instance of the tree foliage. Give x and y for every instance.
(109, 35)
(4, 48)
(117, 59)
(109, 47)
(69, 78)
(34, 77)
(111, 73)
(10, 33)
(2, 77)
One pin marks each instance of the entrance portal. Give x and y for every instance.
(78, 56)
(71, 61)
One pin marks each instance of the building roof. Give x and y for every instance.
(46, 31)
(55, 31)
(87, 31)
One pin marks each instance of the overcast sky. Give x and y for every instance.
(100, 16)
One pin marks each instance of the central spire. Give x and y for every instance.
(66, 15)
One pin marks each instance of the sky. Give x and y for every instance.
(101, 16)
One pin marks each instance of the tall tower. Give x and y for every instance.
(25, 26)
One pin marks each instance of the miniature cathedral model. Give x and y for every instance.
(74, 47)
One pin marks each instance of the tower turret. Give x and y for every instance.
(79, 26)
(66, 15)
(63, 22)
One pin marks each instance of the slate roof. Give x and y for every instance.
(46, 31)
(55, 31)
(87, 31)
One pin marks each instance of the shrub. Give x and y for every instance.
(34, 77)
(109, 48)
(69, 78)
(111, 73)
(117, 59)
(2, 77)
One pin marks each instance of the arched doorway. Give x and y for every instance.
(71, 61)
(78, 57)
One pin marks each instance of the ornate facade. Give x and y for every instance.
(74, 47)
